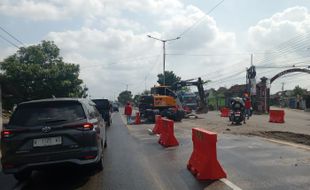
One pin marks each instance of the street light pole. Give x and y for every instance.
(164, 62)
(164, 53)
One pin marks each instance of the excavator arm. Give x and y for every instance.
(202, 107)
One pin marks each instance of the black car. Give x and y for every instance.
(51, 132)
(104, 107)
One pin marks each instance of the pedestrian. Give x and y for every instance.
(128, 112)
(248, 106)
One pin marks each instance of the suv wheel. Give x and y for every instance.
(99, 165)
(23, 175)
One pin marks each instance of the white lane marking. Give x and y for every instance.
(150, 132)
(230, 184)
(124, 119)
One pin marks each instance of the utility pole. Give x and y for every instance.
(164, 53)
(282, 95)
(145, 83)
(126, 87)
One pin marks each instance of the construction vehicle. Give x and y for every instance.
(202, 103)
(189, 101)
(164, 101)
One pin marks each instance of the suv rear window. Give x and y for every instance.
(102, 104)
(45, 113)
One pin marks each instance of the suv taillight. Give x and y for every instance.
(6, 133)
(88, 126)
(83, 126)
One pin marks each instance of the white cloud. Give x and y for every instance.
(88, 9)
(109, 59)
(286, 36)
(5, 52)
(282, 26)
(107, 55)
(51, 9)
(113, 50)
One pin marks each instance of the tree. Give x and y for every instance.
(136, 99)
(298, 91)
(37, 72)
(170, 78)
(124, 97)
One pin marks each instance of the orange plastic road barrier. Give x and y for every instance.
(158, 125)
(138, 119)
(276, 116)
(167, 138)
(203, 162)
(225, 112)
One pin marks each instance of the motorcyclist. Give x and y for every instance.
(237, 105)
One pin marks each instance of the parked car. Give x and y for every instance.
(115, 107)
(104, 107)
(49, 132)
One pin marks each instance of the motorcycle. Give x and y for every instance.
(237, 113)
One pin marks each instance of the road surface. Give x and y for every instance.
(134, 160)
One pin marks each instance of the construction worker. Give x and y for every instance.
(247, 106)
(128, 112)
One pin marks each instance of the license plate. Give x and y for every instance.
(51, 141)
(237, 114)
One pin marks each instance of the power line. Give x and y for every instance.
(151, 69)
(201, 19)
(11, 35)
(295, 43)
(206, 55)
(228, 77)
(13, 44)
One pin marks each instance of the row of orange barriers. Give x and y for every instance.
(203, 162)
(275, 116)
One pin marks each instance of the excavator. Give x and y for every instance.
(202, 106)
(164, 101)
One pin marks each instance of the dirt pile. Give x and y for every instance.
(285, 136)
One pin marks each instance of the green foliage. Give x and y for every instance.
(170, 78)
(136, 99)
(124, 97)
(298, 91)
(37, 72)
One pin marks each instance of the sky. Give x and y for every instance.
(108, 39)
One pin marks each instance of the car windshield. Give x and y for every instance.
(47, 113)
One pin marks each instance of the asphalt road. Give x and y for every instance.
(134, 160)
(250, 162)
(129, 164)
